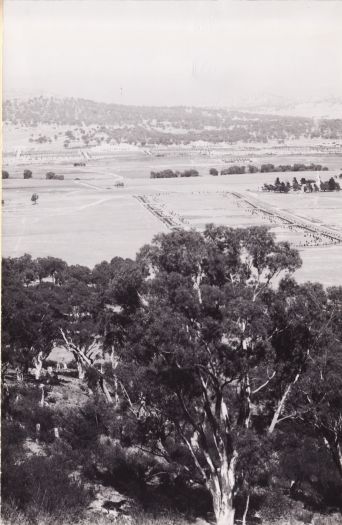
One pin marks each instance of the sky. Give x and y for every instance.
(204, 53)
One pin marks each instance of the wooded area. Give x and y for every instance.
(205, 367)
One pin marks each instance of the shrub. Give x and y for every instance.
(42, 484)
(5, 174)
(234, 170)
(27, 174)
(52, 176)
(189, 173)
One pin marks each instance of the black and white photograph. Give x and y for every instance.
(171, 350)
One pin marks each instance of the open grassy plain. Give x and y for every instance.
(85, 218)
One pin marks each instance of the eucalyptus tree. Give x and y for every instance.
(201, 352)
(118, 286)
(316, 402)
(29, 328)
(77, 328)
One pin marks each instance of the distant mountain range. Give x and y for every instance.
(330, 107)
(270, 104)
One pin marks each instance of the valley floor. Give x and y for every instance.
(86, 218)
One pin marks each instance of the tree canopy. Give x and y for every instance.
(216, 352)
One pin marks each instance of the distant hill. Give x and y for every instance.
(167, 125)
(322, 108)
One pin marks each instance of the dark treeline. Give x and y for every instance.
(268, 168)
(169, 174)
(306, 185)
(294, 167)
(213, 379)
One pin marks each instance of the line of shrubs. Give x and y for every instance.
(267, 168)
(169, 174)
(28, 175)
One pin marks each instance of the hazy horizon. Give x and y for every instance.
(211, 54)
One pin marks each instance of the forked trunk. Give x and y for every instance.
(221, 487)
(224, 513)
(222, 503)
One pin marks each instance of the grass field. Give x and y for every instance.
(81, 224)
(88, 220)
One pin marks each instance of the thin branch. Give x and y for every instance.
(264, 384)
(290, 416)
(193, 454)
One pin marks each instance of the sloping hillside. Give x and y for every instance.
(167, 125)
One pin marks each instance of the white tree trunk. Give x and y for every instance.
(336, 453)
(80, 370)
(115, 361)
(116, 391)
(226, 517)
(244, 518)
(222, 503)
(20, 375)
(38, 365)
(37, 432)
(106, 391)
(280, 406)
(339, 455)
(42, 399)
(221, 487)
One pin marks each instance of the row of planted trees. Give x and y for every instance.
(167, 174)
(267, 168)
(213, 367)
(306, 185)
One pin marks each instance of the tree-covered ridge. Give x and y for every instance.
(165, 125)
(218, 375)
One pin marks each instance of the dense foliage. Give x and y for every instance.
(306, 185)
(206, 365)
(27, 174)
(50, 175)
(167, 174)
(268, 168)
